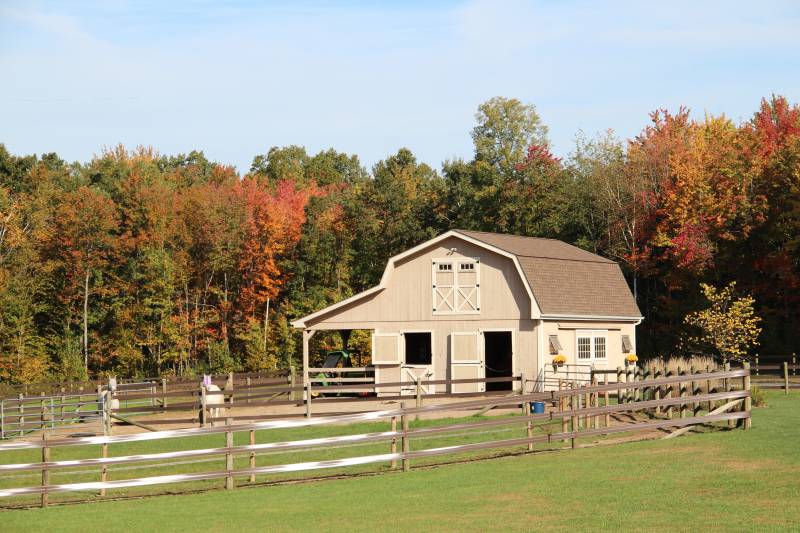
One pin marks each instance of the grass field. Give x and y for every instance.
(719, 481)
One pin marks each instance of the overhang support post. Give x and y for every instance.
(307, 334)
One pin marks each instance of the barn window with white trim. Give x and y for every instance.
(456, 286)
(591, 345)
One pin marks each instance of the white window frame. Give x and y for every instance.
(403, 349)
(592, 334)
(455, 287)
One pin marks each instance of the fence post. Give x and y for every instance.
(794, 364)
(252, 454)
(681, 372)
(203, 407)
(785, 377)
(418, 395)
(43, 411)
(562, 406)
(708, 389)
(526, 409)
(394, 442)
(229, 454)
(62, 405)
(695, 390)
(308, 399)
(748, 402)
(104, 468)
(406, 443)
(575, 403)
(248, 382)
(21, 412)
(109, 427)
(619, 380)
(668, 393)
(757, 365)
(45, 469)
(657, 390)
(726, 385)
(101, 407)
(164, 393)
(627, 382)
(229, 388)
(292, 383)
(595, 401)
(605, 400)
(587, 403)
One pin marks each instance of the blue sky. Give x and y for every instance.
(234, 78)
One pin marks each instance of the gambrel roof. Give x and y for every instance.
(563, 281)
(566, 280)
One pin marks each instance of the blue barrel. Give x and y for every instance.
(537, 408)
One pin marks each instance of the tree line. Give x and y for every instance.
(139, 263)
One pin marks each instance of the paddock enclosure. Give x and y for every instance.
(51, 469)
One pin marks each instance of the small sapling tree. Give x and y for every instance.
(729, 325)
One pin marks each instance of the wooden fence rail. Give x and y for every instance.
(582, 416)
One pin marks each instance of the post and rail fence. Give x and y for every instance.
(577, 412)
(138, 401)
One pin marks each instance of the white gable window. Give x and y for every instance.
(456, 286)
(591, 345)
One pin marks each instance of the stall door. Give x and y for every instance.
(386, 349)
(466, 361)
(411, 374)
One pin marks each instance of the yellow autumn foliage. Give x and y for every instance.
(729, 324)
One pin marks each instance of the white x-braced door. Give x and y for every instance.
(456, 286)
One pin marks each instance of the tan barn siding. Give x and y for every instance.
(524, 332)
(408, 296)
(566, 335)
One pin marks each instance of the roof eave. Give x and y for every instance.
(300, 323)
(595, 318)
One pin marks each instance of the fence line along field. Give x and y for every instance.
(182, 402)
(286, 449)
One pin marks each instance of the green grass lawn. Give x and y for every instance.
(715, 481)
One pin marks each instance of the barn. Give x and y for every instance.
(470, 304)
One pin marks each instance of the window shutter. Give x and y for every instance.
(627, 345)
(555, 345)
(444, 287)
(468, 286)
(386, 349)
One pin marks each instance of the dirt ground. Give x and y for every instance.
(241, 411)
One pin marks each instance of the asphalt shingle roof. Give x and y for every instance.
(566, 279)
